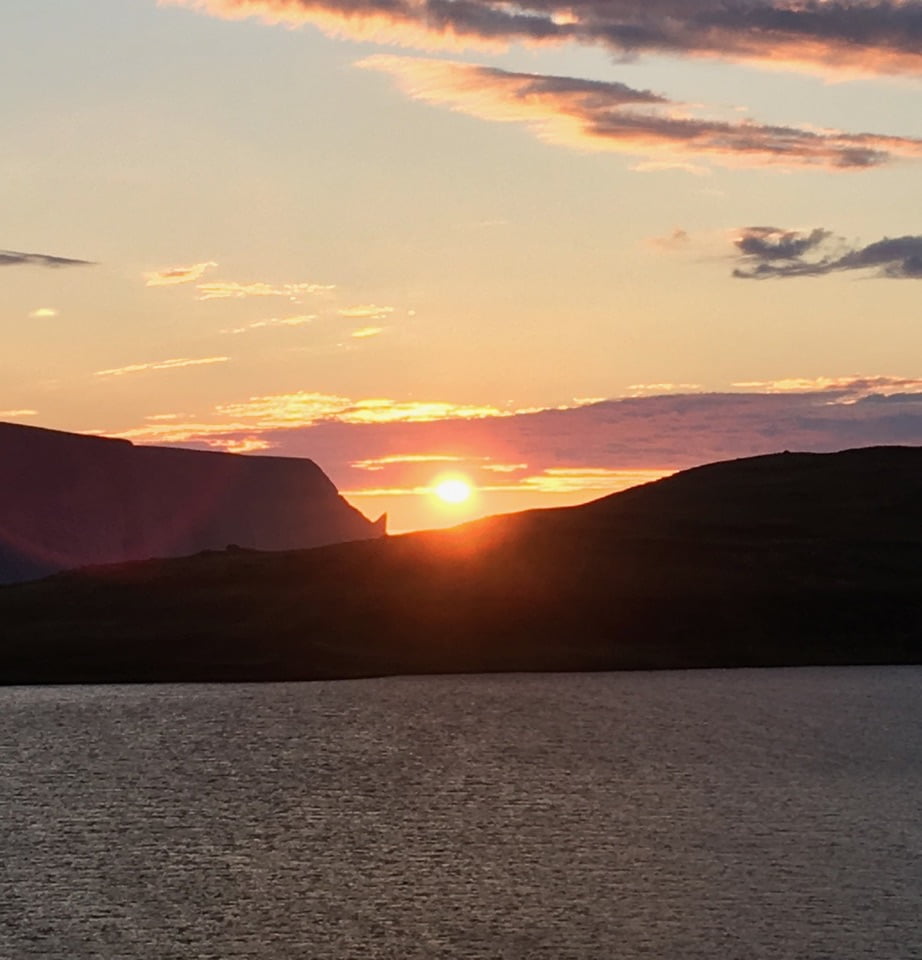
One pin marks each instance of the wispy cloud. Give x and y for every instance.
(16, 414)
(298, 321)
(379, 463)
(43, 313)
(774, 253)
(845, 388)
(175, 275)
(661, 432)
(13, 258)
(366, 311)
(305, 408)
(586, 479)
(677, 240)
(226, 290)
(363, 333)
(655, 389)
(173, 364)
(883, 36)
(595, 115)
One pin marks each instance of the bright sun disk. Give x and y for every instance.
(453, 490)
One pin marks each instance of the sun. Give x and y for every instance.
(453, 490)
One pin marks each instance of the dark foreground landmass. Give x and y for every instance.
(777, 560)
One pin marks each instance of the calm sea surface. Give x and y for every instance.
(738, 814)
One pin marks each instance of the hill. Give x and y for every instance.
(69, 500)
(774, 560)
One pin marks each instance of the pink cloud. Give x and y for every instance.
(599, 116)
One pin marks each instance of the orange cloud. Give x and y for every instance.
(850, 388)
(594, 115)
(647, 389)
(391, 411)
(298, 321)
(175, 275)
(299, 409)
(367, 311)
(379, 463)
(586, 479)
(365, 332)
(173, 364)
(225, 290)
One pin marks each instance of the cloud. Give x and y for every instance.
(168, 278)
(43, 313)
(645, 389)
(227, 290)
(596, 115)
(363, 333)
(376, 464)
(13, 258)
(773, 252)
(662, 432)
(15, 414)
(297, 321)
(847, 389)
(242, 445)
(281, 410)
(379, 463)
(884, 36)
(677, 240)
(173, 364)
(366, 311)
(584, 479)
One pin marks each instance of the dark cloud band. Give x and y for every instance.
(876, 36)
(12, 258)
(773, 253)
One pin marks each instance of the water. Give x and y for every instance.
(737, 814)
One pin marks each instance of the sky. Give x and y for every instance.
(554, 249)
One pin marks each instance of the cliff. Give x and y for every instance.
(779, 560)
(68, 500)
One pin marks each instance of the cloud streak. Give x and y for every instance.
(231, 290)
(859, 36)
(282, 410)
(14, 258)
(173, 364)
(634, 432)
(365, 311)
(775, 253)
(176, 275)
(298, 321)
(17, 413)
(595, 115)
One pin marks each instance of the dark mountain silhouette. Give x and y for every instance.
(775, 560)
(68, 500)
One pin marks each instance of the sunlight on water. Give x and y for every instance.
(737, 814)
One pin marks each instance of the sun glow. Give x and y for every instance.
(453, 490)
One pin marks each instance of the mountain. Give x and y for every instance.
(68, 500)
(775, 560)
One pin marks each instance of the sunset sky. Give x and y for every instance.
(553, 248)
